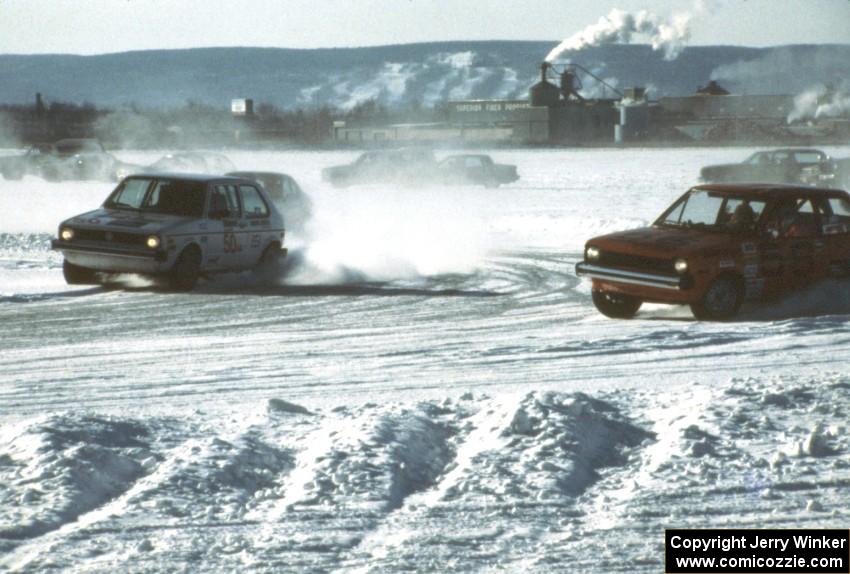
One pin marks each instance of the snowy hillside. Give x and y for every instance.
(423, 74)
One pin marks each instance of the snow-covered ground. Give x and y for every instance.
(428, 387)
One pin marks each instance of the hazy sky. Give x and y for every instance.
(103, 26)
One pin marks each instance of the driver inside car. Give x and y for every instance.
(742, 218)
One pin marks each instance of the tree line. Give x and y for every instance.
(192, 125)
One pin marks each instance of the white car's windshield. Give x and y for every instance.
(174, 197)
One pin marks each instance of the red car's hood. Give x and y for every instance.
(659, 241)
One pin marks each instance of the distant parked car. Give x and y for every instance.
(286, 194)
(67, 159)
(80, 159)
(192, 162)
(30, 163)
(476, 169)
(400, 166)
(176, 227)
(788, 165)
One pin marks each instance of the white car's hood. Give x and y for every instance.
(127, 220)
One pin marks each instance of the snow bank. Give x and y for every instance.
(529, 481)
(58, 467)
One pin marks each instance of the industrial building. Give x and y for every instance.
(559, 115)
(551, 114)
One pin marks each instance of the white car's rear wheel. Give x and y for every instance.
(267, 266)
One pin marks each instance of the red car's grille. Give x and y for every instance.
(637, 262)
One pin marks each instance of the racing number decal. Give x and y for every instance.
(231, 244)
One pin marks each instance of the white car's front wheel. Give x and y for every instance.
(76, 275)
(186, 270)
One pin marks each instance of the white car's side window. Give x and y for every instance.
(225, 201)
(252, 202)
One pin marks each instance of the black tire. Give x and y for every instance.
(267, 266)
(721, 300)
(186, 270)
(615, 305)
(76, 275)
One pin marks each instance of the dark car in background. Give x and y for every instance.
(67, 159)
(804, 166)
(30, 163)
(210, 163)
(80, 159)
(285, 193)
(399, 166)
(475, 169)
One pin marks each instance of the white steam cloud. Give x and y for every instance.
(790, 69)
(619, 27)
(820, 102)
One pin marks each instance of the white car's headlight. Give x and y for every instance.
(67, 234)
(681, 266)
(592, 253)
(153, 242)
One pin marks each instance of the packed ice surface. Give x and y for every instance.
(427, 387)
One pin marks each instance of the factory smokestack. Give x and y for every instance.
(544, 93)
(570, 84)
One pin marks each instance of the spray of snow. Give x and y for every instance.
(819, 102)
(410, 233)
(619, 27)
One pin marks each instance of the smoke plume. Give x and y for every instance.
(618, 27)
(820, 102)
(789, 69)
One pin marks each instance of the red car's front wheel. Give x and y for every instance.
(615, 305)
